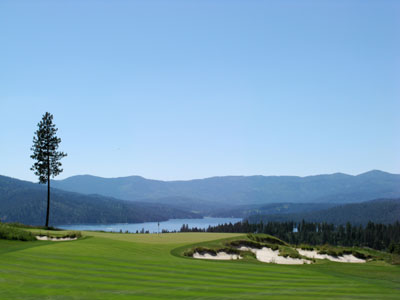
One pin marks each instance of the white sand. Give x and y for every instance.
(346, 258)
(219, 256)
(46, 238)
(270, 256)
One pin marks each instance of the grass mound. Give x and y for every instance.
(69, 234)
(336, 252)
(254, 241)
(289, 252)
(22, 232)
(266, 238)
(285, 251)
(306, 247)
(211, 251)
(20, 225)
(251, 244)
(258, 241)
(8, 232)
(245, 243)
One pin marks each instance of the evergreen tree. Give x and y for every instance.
(377, 236)
(45, 145)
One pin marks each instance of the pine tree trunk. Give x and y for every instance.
(48, 197)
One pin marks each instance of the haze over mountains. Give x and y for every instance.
(243, 190)
(134, 199)
(384, 211)
(25, 202)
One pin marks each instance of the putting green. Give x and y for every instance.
(141, 266)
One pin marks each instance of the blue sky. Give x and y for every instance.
(191, 89)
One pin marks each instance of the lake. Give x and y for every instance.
(152, 227)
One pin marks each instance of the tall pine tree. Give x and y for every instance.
(45, 145)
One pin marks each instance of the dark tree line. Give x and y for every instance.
(376, 236)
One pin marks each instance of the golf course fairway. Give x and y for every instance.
(148, 266)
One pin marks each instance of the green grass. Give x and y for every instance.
(14, 233)
(150, 266)
(24, 226)
(266, 238)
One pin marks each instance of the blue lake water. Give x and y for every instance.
(170, 225)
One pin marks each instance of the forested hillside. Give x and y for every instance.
(385, 211)
(25, 202)
(244, 190)
(244, 211)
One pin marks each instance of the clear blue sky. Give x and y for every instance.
(192, 89)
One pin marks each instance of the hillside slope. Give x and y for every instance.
(240, 190)
(26, 202)
(244, 211)
(384, 211)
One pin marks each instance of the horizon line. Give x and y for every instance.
(216, 176)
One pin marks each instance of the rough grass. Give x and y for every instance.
(59, 235)
(336, 251)
(21, 232)
(212, 251)
(14, 233)
(306, 247)
(266, 238)
(258, 241)
(229, 246)
(289, 252)
(245, 243)
(20, 225)
(135, 266)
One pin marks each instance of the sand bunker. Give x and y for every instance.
(270, 256)
(219, 256)
(46, 238)
(346, 258)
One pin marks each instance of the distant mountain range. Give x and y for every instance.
(242, 190)
(25, 202)
(134, 199)
(384, 211)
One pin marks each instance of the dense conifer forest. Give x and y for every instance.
(376, 236)
(385, 211)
